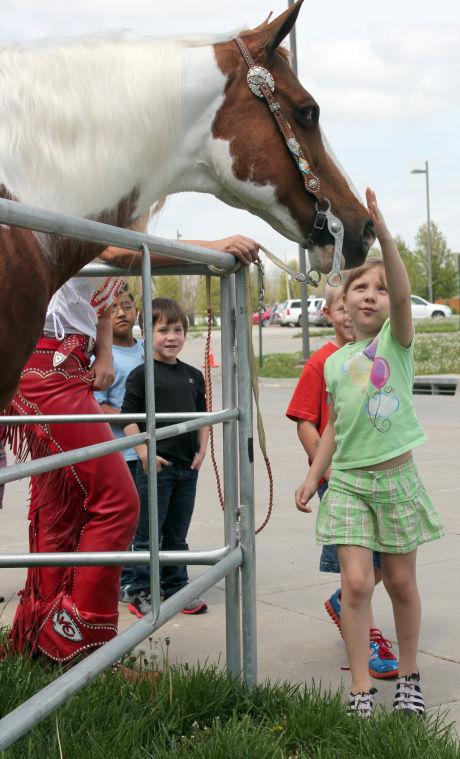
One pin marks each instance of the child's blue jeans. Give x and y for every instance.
(176, 487)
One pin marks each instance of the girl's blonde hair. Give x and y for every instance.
(355, 274)
(333, 293)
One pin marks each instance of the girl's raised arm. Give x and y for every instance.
(396, 276)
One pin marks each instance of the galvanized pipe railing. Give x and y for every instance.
(58, 460)
(21, 215)
(24, 717)
(226, 560)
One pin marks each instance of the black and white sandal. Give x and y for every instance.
(409, 696)
(361, 703)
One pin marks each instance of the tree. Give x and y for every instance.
(167, 286)
(443, 269)
(201, 300)
(412, 264)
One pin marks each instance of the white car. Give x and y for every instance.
(422, 309)
(292, 313)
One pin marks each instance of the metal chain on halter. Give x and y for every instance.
(262, 85)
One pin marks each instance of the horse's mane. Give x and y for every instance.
(78, 126)
(64, 102)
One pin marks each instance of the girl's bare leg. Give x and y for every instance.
(377, 579)
(356, 568)
(399, 578)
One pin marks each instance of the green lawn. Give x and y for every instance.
(204, 714)
(435, 353)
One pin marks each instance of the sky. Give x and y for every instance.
(386, 76)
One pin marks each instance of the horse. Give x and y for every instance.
(103, 128)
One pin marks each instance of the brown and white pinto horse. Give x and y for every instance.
(103, 128)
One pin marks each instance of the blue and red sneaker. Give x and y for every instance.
(333, 608)
(382, 663)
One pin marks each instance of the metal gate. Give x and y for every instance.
(236, 559)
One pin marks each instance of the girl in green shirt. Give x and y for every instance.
(375, 499)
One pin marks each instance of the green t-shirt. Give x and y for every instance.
(371, 384)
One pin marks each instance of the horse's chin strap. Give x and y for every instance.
(262, 85)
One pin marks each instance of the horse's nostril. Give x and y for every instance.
(368, 236)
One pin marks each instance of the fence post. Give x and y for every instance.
(230, 468)
(246, 459)
(150, 430)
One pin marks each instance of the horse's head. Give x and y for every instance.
(254, 164)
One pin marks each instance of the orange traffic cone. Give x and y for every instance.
(212, 365)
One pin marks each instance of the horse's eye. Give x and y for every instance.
(308, 116)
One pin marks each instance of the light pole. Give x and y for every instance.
(430, 274)
(181, 294)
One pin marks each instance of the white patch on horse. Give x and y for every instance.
(261, 200)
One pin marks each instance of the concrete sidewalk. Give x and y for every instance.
(296, 639)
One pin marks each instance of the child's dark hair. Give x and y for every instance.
(125, 291)
(355, 274)
(166, 309)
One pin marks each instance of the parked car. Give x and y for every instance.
(291, 313)
(273, 311)
(422, 309)
(279, 312)
(315, 312)
(322, 320)
(265, 317)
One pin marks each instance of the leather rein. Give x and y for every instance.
(262, 85)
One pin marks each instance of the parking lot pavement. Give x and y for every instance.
(296, 639)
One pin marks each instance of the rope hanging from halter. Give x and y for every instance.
(262, 85)
(255, 391)
(208, 388)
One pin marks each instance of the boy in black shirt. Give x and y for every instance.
(178, 387)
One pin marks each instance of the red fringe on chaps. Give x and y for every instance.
(91, 506)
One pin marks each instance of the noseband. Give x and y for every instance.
(262, 85)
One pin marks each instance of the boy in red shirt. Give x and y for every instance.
(309, 407)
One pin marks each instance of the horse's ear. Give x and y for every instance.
(268, 36)
(264, 24)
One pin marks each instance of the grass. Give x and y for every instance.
(202, 713)
(437, 351)
(448, 324)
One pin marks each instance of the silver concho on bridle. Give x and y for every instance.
(256, 76)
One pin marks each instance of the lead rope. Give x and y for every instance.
(255, 391)
(208, 389)
(255, 388)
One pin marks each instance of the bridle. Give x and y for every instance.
(262, 85)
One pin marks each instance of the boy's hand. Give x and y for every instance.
(160, 463)
(197, 460)
(303, 494)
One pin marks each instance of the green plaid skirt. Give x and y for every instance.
(385, 510)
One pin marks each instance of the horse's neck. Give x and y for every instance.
(127, 124)
(127, 120)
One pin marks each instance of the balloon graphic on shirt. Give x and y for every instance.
(380, 372)
(359, 367)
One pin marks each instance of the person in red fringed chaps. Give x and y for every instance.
(91, 506)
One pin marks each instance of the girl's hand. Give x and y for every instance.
(381, 229)
(303, 495)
